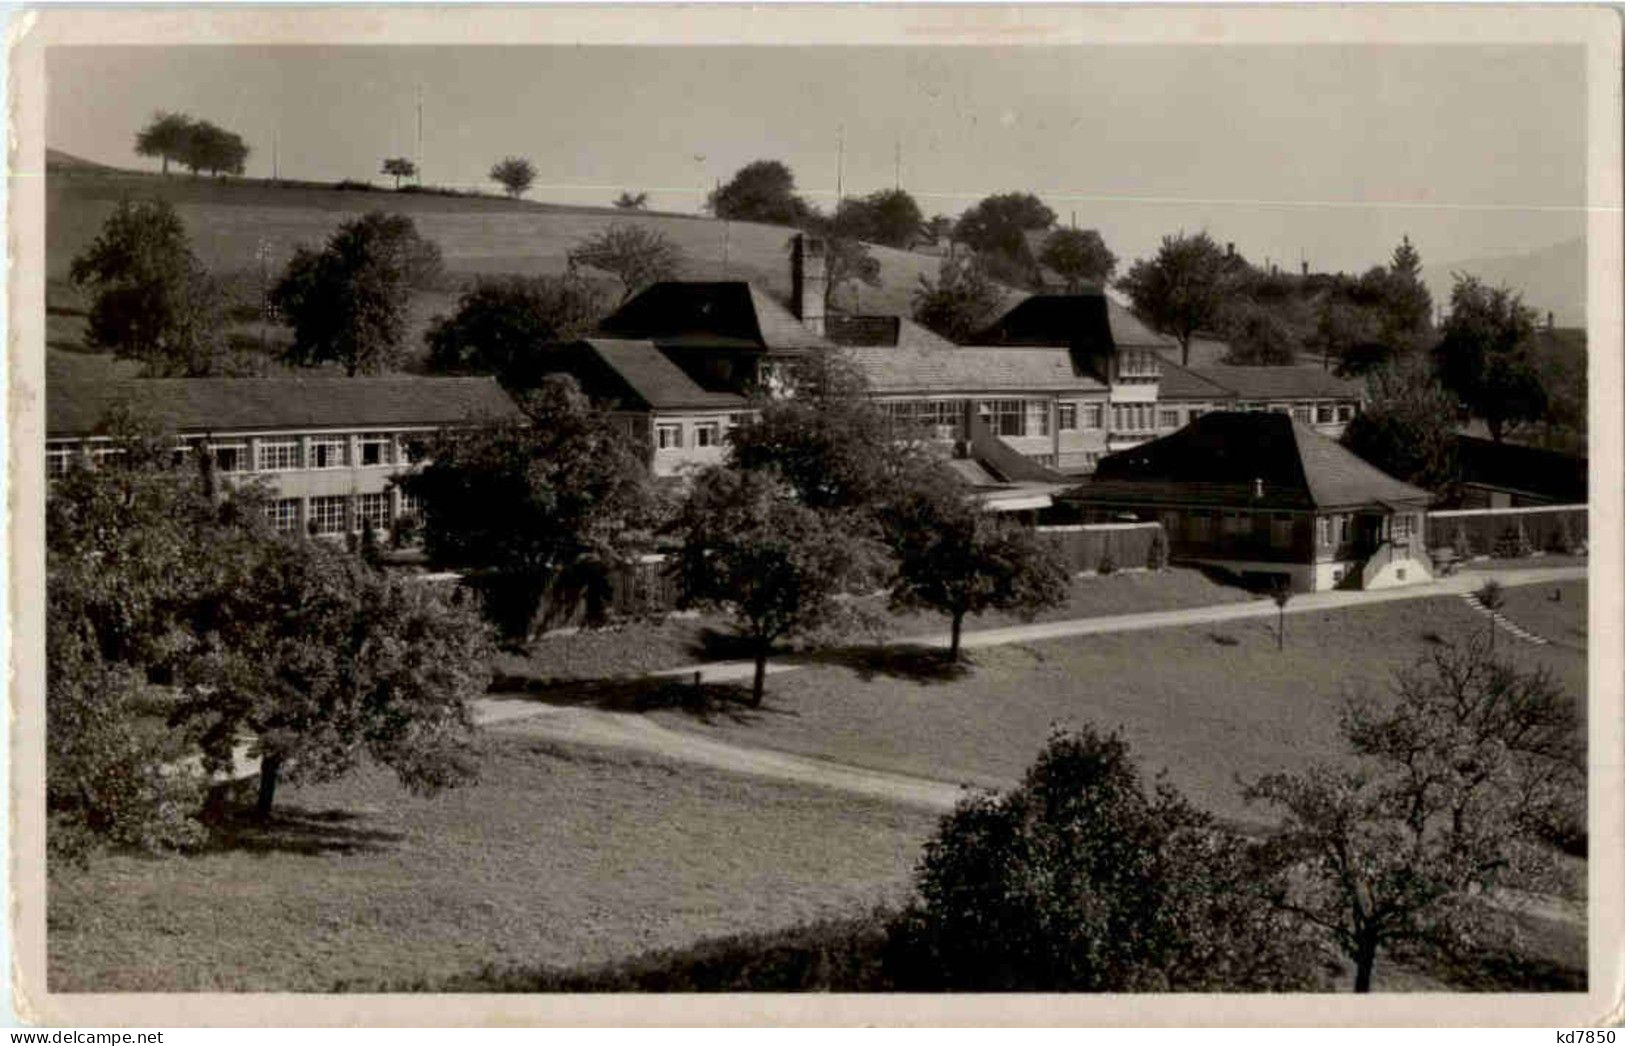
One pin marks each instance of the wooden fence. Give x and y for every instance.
(1509, 532)
(1115, 546)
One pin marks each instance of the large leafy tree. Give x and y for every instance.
(152, 299)
(1082, 879)
(1079, 256)
(960, 302)
(166, 136)
(637, 255)
(760, 191)
(1259, 336)
(1458, 778)
(1483, 356)
(347, 303)
(997, 224)
(515, 174)
(847, 259)
(1407, 428)
(504, 323)
(954, 558)
(1183, 289)
(317, 659)
(753, 551)
(557, 502)
(214, 149)
(890, 217)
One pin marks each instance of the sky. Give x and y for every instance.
(1325, 153)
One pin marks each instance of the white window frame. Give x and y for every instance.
(321, 443)
(386, 450)
(1094, 415)
(239, 449)
(1167, 419)
(270, 456)
(1345, 412)
(1066, 417)
(1325, 414)
(58, 460)
(671, 429)
(283, 515)
(320, 516)
(707, 434)
(409, 506)
(378, 501)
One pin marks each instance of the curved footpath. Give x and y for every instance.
(630, 730)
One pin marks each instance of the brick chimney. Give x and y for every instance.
(808, 280)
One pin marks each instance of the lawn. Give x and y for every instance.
(559, 856)
(1554, 612)
(638, 647)
(1206, 703)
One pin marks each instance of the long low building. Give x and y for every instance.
(329, 446)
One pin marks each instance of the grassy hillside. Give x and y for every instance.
(234, 224)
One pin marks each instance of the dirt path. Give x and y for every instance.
(628, 730)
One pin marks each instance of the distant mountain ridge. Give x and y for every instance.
(1551, 279)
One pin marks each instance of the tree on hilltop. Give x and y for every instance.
(629, 201)
(515, 174)
(165, 136)
(504, 323)
(1080, 257)
(961, 300)
(1483, 356)
(760, 191)
(400, 167)
(637, 255)
(1183, 289)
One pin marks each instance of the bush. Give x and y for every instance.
(350, 185)
(1514, 543)
(1560, 539)
(1079, 880)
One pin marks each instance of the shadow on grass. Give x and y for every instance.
(1223, 640)
(918, 663)
(234, 828)
(706, 702)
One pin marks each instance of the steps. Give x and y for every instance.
(1505, 624)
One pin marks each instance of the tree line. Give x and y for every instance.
(197, 145)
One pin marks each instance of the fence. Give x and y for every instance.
(1508, 532)
(1120, 546)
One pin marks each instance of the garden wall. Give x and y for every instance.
(1086, 546)
(1508, 532)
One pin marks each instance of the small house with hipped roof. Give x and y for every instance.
(1263, 496)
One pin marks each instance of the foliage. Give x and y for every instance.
(760, 191)
(752, 551)
(938, 228)
(1407, 306)
(347, 303)
(558, 500)
(1514, 542)
(1258, 337)
(955, 558)
(961, 301)
(167, 136)
(153, 300)
(995, 225)
(400, 167)
(1458, 776)
(1081, 880)
(321, 659)
(504, 323)
(637, 255)
(1080, 257)
(514, 173)
(846, 258)
(889, 216)
(629, 201)
(1405, 429)
(1483, 356)
(1183, 289)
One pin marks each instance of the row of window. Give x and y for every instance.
(337, 514)
(282, 454)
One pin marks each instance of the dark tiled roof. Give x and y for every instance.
(725, 314)
(75, 408)
(970, 369)
(1088, 321)
(1279, 383)
(1526, 470)
(862, 330)
(1182, 383)
(1261, 459)
(637, 373)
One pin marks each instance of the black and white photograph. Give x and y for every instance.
(1048, 502)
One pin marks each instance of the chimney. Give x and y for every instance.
(1230, 249)
(808, 279)
(1551, 321)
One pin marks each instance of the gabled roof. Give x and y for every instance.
(1183, 383)
(1089, 321)
(970, 369)
(1255, 459)
(78, 407)
(1263, 383)
(874, 331)
(1525, 470)
(637, 374)
(718, 314)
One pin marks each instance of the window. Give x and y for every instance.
(668, 437)
(1011, 417)
(1132, 417)
(374, 509)
(1402, 525)
(1066, 417)
(1281, 530)
(278, 455)
(1137, 363)
(58, 460)
(1323, 413)
(741, 418)
(412, 449)
(1345, 411)
(707, 434)
(1235, 524)
(1323, 530)
(1301, 413)
(99, 456)
(329, 453)
(1168, 419)
(377, 450)
(230, 457)
(327, 515)
(410, 506)
(283, 514)
(1094, 415)
(1342, 529)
